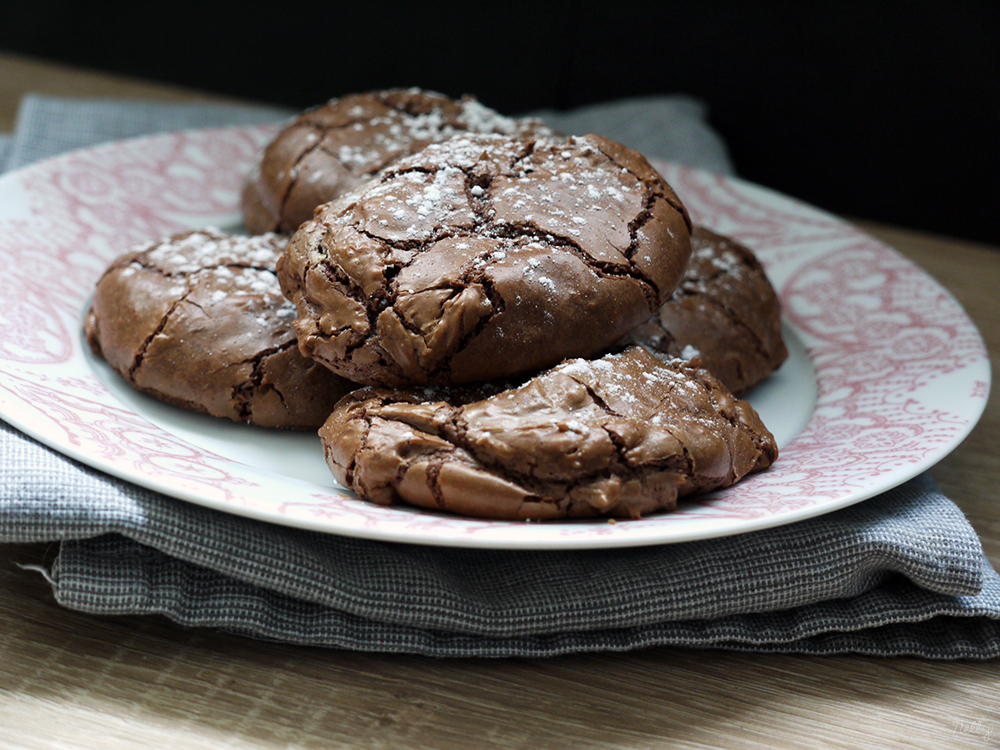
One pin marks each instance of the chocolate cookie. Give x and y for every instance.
(622, 436)
(334, 148)
(198, 321)
(725, 312)
(485, 257)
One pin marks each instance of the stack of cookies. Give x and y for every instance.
(479, 315)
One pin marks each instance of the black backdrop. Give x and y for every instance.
(881, 110)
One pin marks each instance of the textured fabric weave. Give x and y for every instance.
(47, 126)
(6, 141)
(903, 573)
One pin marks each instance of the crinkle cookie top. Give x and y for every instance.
(198, 320)
(485, 257)
(333, 148)
(724, 312)
(622, 436)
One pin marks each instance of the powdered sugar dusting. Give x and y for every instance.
(228, 266)
(195, 251)
(481, 119)
(401, 131)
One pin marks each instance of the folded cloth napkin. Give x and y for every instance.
(902, 573)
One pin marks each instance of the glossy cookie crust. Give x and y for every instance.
(333, 148)
(485, 257)
(623, 436)
(198, 320)
(724, 312)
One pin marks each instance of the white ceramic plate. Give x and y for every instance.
(886, 375)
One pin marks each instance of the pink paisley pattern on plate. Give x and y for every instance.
(84, 209)
(879, 329)
(118, 435)
(880, 333)
(779, 228)
(33, 286)
(89, 206)
(145, 188)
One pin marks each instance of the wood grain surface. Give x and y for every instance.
(72, 680)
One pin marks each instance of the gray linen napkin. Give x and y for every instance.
(47, 126)
(902, 573)
(5, 143)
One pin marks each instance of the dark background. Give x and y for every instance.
(880, 110)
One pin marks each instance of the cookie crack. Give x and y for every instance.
(529, 149)
(623, 467)
(434, 482)
(755, 339)
(146, 265)
(341, 279)
(655, 193)
(363, 444)
(634, 227)
(409, 245)
(470, 275)
(477, 189)
(497, 306)
(532, 232)
(622, 449)
(672, 201)
(738, 425)
(242, 393)
(294, 169)
(686, 457)
(643, 217)
(703, 283)
(453, 428)
(595, 397)
(760, 443)
(140, 354)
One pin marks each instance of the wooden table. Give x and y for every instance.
(70, 680)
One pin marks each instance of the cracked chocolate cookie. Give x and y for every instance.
(623, 436)
(336, 147)
(724, 312)
(198, 320)
(485, 257)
